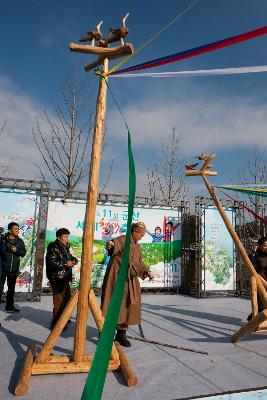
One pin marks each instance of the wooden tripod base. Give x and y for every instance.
(258, 323)
(45, 362)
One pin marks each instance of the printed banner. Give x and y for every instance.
(219, 262)
(22, 207)
(161, 247)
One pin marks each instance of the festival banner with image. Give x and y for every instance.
(219, 260)
(22, 207)
(161, 250)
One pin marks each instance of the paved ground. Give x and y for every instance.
(205, 324)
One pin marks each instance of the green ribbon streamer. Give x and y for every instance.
(251, 192)
(96, 378)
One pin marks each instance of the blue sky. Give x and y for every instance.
(227, 114)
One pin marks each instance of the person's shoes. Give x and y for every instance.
(11, 309)
(249, 318)
(121, 338)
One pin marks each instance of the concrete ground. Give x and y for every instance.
(163, 373)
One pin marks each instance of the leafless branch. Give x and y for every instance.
(63, 139)
(166, 180)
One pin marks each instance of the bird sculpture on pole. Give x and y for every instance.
(116, 34)
(92, 36)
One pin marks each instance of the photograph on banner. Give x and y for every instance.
(22, 207)
(219, 260)
(161, 245)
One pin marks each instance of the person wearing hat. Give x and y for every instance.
(130, 312)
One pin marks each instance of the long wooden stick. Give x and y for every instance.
(238, 243)
(89, 221)
(167, 345)
(141, 331)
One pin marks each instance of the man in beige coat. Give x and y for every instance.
(130, 312)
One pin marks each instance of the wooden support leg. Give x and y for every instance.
(250, 326)
(26, 371)
(127, 370)
(68, 367)
(254, 297)
(99, 320)
(52, 338)
(263, 281)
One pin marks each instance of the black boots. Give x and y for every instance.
(121, 338)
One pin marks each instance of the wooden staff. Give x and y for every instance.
(89, 222)
(172, 346)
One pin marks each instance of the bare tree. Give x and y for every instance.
(166, 181)
(63, 140)
(4, 168)
(254, 172)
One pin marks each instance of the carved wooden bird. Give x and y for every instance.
(92, 36)
(190, 167)
(202, 156)
(118, 34)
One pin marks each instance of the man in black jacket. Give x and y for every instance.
(59, 262)
(11, 249)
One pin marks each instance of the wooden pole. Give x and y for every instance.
(254, 299)
(26, 371)
(238, 243)
(127, 370)
(250, 326)
(263, 281)
(89, 221)
(68, 367)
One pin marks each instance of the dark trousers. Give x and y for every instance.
(61, 297)
(11, 278)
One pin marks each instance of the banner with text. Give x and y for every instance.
(161, 245)
(22, 207)
(219, 260)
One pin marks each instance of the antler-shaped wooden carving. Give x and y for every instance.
(99, 45)
(204, 170)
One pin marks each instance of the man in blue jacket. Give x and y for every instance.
(12, 248)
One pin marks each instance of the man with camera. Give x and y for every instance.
(12, 248)
(59, 263)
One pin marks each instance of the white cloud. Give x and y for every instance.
(203, 124)
(18, 148)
